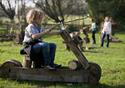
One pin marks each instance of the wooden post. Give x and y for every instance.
(74, 48)
(74, 65)
(27, 62)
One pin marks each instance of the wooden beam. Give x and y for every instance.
(14, 70)
(74, 48)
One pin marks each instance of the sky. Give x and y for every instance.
(29, 3)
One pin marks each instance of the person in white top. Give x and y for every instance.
(93, 30)
(106, 31)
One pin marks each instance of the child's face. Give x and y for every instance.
(106, 19)
(39, 19)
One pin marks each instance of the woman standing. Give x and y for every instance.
(106, 31)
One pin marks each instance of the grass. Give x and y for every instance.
(111, 60)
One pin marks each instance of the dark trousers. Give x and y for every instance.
(46, 51)
(102, 39)
(93, 37)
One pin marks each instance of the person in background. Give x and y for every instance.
(86, 39)
(106, 31)
(77, 39)
(34, 38)
(93, 29)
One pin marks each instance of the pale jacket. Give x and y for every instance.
(107, 27)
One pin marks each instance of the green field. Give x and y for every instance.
(111, 60)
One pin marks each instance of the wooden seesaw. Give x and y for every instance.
(78, 71)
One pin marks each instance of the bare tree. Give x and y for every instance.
(8, 8)
(21, 16)
(56, 9)
(15, 8)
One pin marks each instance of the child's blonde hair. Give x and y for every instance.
(33, 14)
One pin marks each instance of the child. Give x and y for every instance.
(86, 39)
(77, 39)
(93, 30)
(33, 35)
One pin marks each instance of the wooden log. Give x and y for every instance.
(74, 48)
(43, 74)
(91, 75)
(7, 65)
(74, 65)
(94, 73)
(11, 63)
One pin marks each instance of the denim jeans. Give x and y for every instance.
(47, 50)
(102, 39)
